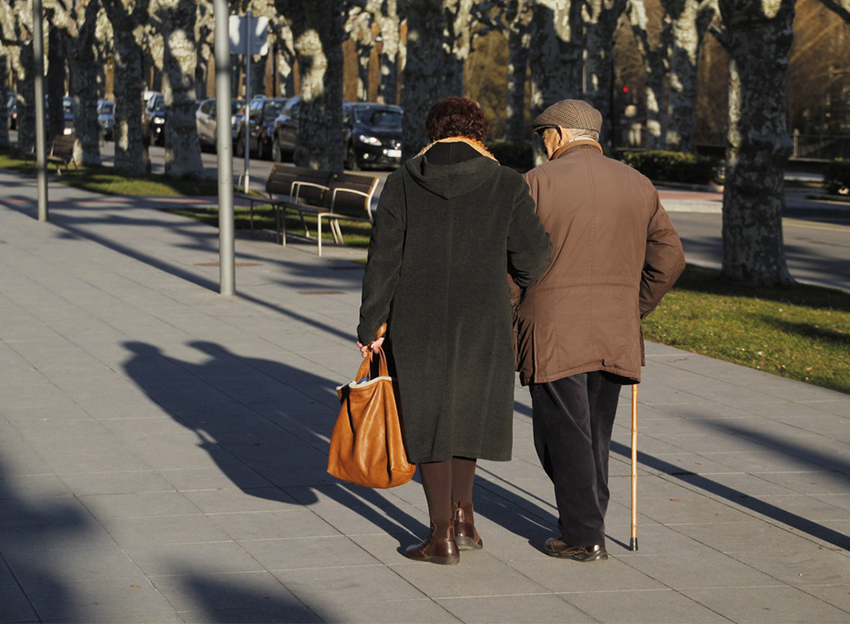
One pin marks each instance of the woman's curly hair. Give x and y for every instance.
(456, 117)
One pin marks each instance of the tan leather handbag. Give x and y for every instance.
(366, 444)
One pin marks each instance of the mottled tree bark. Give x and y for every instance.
(128, 27)
(690, 20)
(317, 29)
(458, 38)
(555, 57)
(758, 37)
(4, 100)
(655, 63)
(600, 18)
(517, 80)
(182, 149)
(425, 79)
(16, 37)
(358, 27)
(79, 24)
(390, 49)
(26, 98)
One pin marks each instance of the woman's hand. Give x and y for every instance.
(373, 347)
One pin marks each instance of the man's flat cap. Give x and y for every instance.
(576, 114)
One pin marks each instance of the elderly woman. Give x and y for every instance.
(449, 225)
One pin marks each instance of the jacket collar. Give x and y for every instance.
(574, 144)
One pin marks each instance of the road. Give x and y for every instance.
(817, 236)
(817, 232)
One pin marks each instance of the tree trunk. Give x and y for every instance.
(182, 149)
(84, 57)
(425, 79)
(459, 36)
(55, 83)
(4, 101)
(654, 60)
(555, 57)
(26, 98)
(130, 155)
(389, 58)
(317, 29)
(517, 79)
(359, 30)
(601, 22)
(758, 37)
(690, 20)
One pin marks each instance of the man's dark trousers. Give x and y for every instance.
(573, 419)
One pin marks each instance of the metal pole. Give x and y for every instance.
(40, 133)
(248, 46)
(633, 542)
(224, 145)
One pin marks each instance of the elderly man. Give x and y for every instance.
(615, 255)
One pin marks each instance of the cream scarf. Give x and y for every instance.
(478, 146)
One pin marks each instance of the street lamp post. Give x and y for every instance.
(40, 136)
(224, 145)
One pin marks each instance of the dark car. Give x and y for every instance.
(372, 135)
(262, 112)
(153, 120)
(106, 119)
(206, 121)
(286, 130)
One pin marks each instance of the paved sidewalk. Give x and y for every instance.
(162, 456)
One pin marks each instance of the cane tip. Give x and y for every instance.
(633, 544)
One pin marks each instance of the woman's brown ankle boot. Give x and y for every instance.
(440, 547)
(464, 525)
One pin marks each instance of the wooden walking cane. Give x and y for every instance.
(633, 542)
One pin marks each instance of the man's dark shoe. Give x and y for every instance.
(555, 547)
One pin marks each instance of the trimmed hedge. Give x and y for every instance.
(837, 176)
(672, 166)
(514, 154)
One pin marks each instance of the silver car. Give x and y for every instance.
(206, 122)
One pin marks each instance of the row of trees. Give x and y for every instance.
(557, 49)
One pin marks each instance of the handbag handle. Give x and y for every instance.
(367, 370)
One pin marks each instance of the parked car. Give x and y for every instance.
(262, 112)
(206, 121)
(106, 119)
(153, 120)
(12, 106)
(286, 130)
(373, 135)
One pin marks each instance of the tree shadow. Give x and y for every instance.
(738, 497)
(710, 281)
(265, 424)
(34, 590)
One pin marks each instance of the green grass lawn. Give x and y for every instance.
(800, 332)
(103, 180)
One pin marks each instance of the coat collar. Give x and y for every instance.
(574, 144)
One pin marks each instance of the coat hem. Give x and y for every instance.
(526, 379)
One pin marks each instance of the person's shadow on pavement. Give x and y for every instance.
(265, 424)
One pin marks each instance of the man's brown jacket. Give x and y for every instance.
(615, 254)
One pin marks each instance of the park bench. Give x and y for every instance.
(60, 152)
(323, 194)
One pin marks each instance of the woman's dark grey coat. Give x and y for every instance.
(443, 240)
